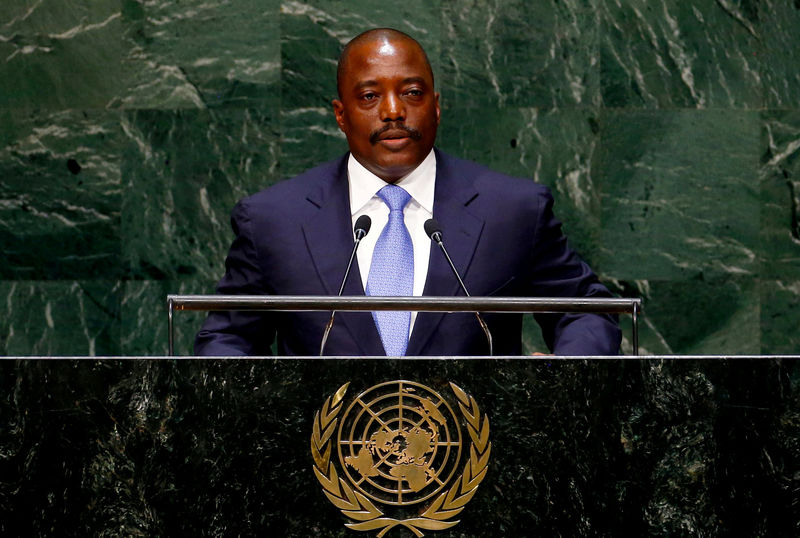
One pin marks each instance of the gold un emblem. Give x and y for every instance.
(401, 456)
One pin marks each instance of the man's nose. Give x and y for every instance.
(392, 108)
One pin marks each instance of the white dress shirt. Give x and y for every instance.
(419, 183)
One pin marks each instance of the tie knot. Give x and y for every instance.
(395, 197)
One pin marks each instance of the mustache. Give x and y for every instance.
(410, 131)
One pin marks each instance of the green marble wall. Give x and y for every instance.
(669, 131)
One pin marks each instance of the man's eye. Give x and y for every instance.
(415, 93)
(368, 96)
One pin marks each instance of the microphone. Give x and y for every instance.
(360, 230)
(434, 231)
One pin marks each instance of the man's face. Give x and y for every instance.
(388, 109)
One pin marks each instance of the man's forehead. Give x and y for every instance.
(382, 49)
(384, 52)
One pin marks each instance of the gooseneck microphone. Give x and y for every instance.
(360, 230)
(434, 231)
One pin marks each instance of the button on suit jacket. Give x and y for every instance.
(295, 238)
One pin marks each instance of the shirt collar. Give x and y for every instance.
(419, 183)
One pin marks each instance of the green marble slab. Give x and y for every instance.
(680, 225)
(197, 54)
(555, 148)
(58, 55)
(184, 171)
(780, 57)
(674, 53)
(60, 194)
(309, 137)
(679, 193)
(60, 317)
(143, 319)
(520, 54)
(695, 316)
(780, 230)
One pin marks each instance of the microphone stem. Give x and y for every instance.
(452, 266)
(329, 325)
(349, 264)
(463, 287)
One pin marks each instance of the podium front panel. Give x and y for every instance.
(582, 446)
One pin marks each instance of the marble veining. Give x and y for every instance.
(667, 131)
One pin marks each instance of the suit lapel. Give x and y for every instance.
(461, 231)
(329, 239)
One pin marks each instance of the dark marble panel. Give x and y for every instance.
(60, 55)
(695, 316)
(309, 137)
(198, 54)
(780, 231)
(520, 54)
(221, 447)
(554, 148)
(780, 58)
(313, 34)
(680, 224)
(674, 53)
(144, 316)
(679, 194)
(59, 194)
(713, 426)
(60, 317)
(184, 171)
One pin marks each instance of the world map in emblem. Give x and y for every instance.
(399, 443)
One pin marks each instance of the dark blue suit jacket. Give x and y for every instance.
(295, 238)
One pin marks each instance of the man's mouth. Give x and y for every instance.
(394, 139)
(398, 133)
(393, 134)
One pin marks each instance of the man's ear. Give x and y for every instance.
(338, 111)
(438, 110)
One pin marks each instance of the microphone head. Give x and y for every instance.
(432, 227)
(362, 225)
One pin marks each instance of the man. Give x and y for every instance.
(295, 238)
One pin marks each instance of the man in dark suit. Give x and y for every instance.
(295, 238)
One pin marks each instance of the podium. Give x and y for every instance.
(580, 446)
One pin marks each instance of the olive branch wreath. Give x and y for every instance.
(357, 506)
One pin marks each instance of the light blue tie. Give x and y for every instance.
(392, 271)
